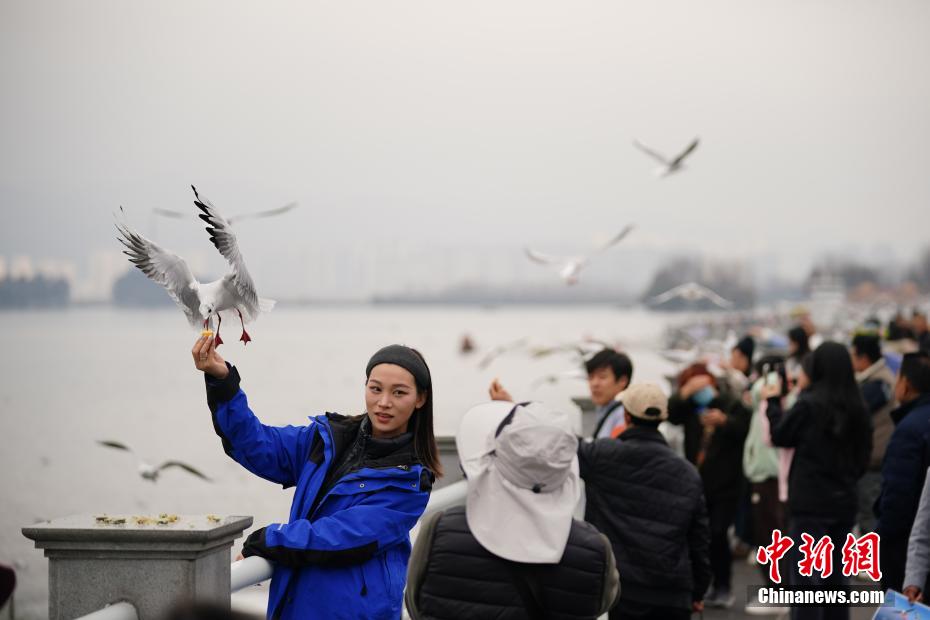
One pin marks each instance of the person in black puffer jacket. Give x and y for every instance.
(650, 503)
(514, 552)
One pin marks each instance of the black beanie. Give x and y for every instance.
(406, 358)
(747, 347)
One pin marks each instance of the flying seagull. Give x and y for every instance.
(232, 219)
(150, 472)
(561, 376)
(200, 301)
(691, 291)
(570, 267)
(669, 166)
(499, 350)
(582, 349)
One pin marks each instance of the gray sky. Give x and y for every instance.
(432, 140)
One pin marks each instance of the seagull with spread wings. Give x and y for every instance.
(570, 267)
(233, 218)
(200, 301)
(691, 291)
(150, 472)
(668, 166)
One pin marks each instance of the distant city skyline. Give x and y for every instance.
(427, 270)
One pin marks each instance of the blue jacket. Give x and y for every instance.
(903, 469)
(343, 552)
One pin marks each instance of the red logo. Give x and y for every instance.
(773, 553)
(859, 555)
(817, 557)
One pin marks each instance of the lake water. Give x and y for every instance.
(69, 378)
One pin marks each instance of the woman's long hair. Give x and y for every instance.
(424, 441)
(841, 409)
(798, 336)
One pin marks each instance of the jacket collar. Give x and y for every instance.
(901, 412)
(871, 371)
(347, 431)
(642, 433)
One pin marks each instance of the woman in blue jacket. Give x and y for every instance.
(361, 484)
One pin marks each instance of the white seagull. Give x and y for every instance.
(583, 349)
(234, 218)
(575, 374)
(570, 267)
(200, 301)
(499, 350)
(669, 166)
(691, 291)
(150, 472)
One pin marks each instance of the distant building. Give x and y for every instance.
(133, 289)
(36, 292)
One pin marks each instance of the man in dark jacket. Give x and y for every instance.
(514, 551)
(876, 382)
(904, 466)
(650, 504)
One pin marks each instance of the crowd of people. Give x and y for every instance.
(818, 439)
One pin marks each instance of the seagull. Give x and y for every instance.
(555, 378)
(150, 472)
(691, 291)
(200, 301)
(681, 357)
(582, 349)
(669, 166)
(232, 219)
(570, 267)
(499, 350)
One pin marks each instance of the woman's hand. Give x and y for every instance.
(207, 359)
(913, 593)
(497, 392)
(713, 417)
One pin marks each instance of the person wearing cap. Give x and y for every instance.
(716, 423)
(361, 483)
(650, 504)
(514, 550)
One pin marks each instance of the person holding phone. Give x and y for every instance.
(830, 431)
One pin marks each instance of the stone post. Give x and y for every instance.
(150, 562)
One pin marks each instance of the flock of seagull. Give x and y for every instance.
(235, 292)
(569, 268)
(201, 302)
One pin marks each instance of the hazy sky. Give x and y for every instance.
(432, 140)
